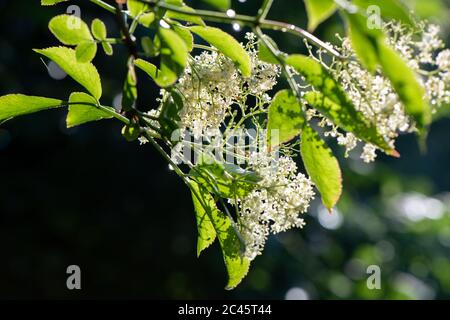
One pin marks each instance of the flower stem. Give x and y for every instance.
(104, 5)
(264, 10)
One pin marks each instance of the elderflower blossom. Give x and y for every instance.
(211, 85)
(275, 204)
(264, 75)
(373, 94)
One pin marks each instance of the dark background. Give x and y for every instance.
(85, 196)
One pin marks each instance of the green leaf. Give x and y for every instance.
(107, 48)
(318, 11)
(206, 231)
(405, 83)
(86, 51)
(227, 45)
(169, 117)
(147, 19)
(130, 93)
(364, 40)
(389, 9)
(70, 29)
(185, 17)
(285, 118)
(333, 102)
(51, 2)
(14, 105)
(149, 47)
(136, 7)
(84, 108)
(225, 180)
(237, 265)
(131, 132)
(174, 54)
(322, 167)
(148, 68)
(316, 75)
(84, 73)
(219, 4)
(186, 35)
(140, 11)
(98, 29)
(264, 53)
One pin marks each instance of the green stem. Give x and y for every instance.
(116, 115)
(166, 157)
(104, 5)
(264, 10)
(105, 109)
(200, 46)
(112, 40)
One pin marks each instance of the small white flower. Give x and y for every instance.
(369, 153)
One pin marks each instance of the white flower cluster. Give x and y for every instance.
(212, 84)
(423, 50)
(275, 204)
(209, 87)
(373, 94)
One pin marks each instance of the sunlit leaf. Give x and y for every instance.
(84, 73)
(237, 265)
(285, 118)
(131, 132)
(227, 45)
(265, 54)
(225, 180)
(83, 108)
(70, 29)
(206, 231)
(389, 9)
(405, 83)
(318, 11)
(140, 10)
(322, 166)
(364, 40)
(186, 35)
(185, 17)
(136, 7)
(51, 2)
(86, 51)
(174, 54)
(98, 29)
(130, 92)
(14, 105)
(149, 47)
(107, 48)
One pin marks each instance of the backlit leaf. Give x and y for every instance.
(322, 166)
